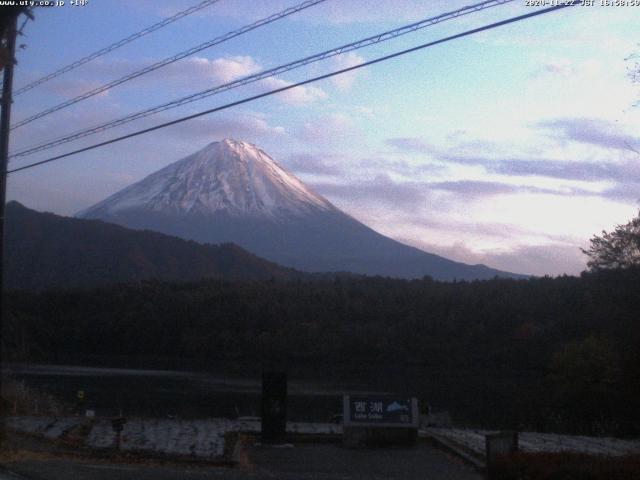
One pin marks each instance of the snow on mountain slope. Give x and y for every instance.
(228, 176)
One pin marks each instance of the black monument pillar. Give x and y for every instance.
(274, 407)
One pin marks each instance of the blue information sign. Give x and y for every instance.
(373, 409)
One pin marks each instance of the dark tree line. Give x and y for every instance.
(553, 353)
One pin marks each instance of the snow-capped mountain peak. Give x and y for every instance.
(231, 191)
(229, 176)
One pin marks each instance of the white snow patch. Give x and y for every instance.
(49, 427)
(228, 176)
(204, 439)
(474, 440)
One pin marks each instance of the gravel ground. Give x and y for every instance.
(300, 462)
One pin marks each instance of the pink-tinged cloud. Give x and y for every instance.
(326, 128)
(344, 82)
(191, 73)
(298, 96)
(246, 126)
(591, 131)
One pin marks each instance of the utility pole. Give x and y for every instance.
(9, 32)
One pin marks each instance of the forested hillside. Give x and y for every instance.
(559, 353)
(44, 250)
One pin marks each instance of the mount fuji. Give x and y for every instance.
(231, 191)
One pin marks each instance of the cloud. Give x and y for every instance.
(458, 148)
(625, 175)
(471, 189)
(345, 81)
(590, 131)
(411, 144)
(568, 69)
(563, 67)
(243, 126)
(325, 128)
(302, 95)
(624, 192)
(200, 72)
(90, 76)
(315, 164)
(379, 191)
(548, 259)
(69, 90)
(623, 169)
(410, 195)
(399, 167)
(403, 210)
(223, 69)
(249, 126)
(340, 166)
(506, 246)
(569, 170)
(502, 231)
(196, 72)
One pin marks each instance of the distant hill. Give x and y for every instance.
(44, 250)
(231, 191)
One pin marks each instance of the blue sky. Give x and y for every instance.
(510, 148)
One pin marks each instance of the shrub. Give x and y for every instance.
(20, 399)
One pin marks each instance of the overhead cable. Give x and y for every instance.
(168, 61)
(113, 46)
(298, 84)
(381, 37)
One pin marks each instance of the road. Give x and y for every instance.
(301, 462)
(8, 475)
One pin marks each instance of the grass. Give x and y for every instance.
(20, 399)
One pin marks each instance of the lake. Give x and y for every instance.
(482, 398)
(158, 393)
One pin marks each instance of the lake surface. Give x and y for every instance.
(482, 398)
(158, 393)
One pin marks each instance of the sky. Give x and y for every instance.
(511, 147)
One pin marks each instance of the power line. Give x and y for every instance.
(170, 60)
(118, 44)
(382, 37)
(299, 84)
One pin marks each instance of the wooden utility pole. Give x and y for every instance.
(9, 33)
(9, 20)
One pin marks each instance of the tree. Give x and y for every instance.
(585, 377)
(617, 249)
(633, 70)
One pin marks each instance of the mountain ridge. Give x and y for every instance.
(231, 191)
(44, 250)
